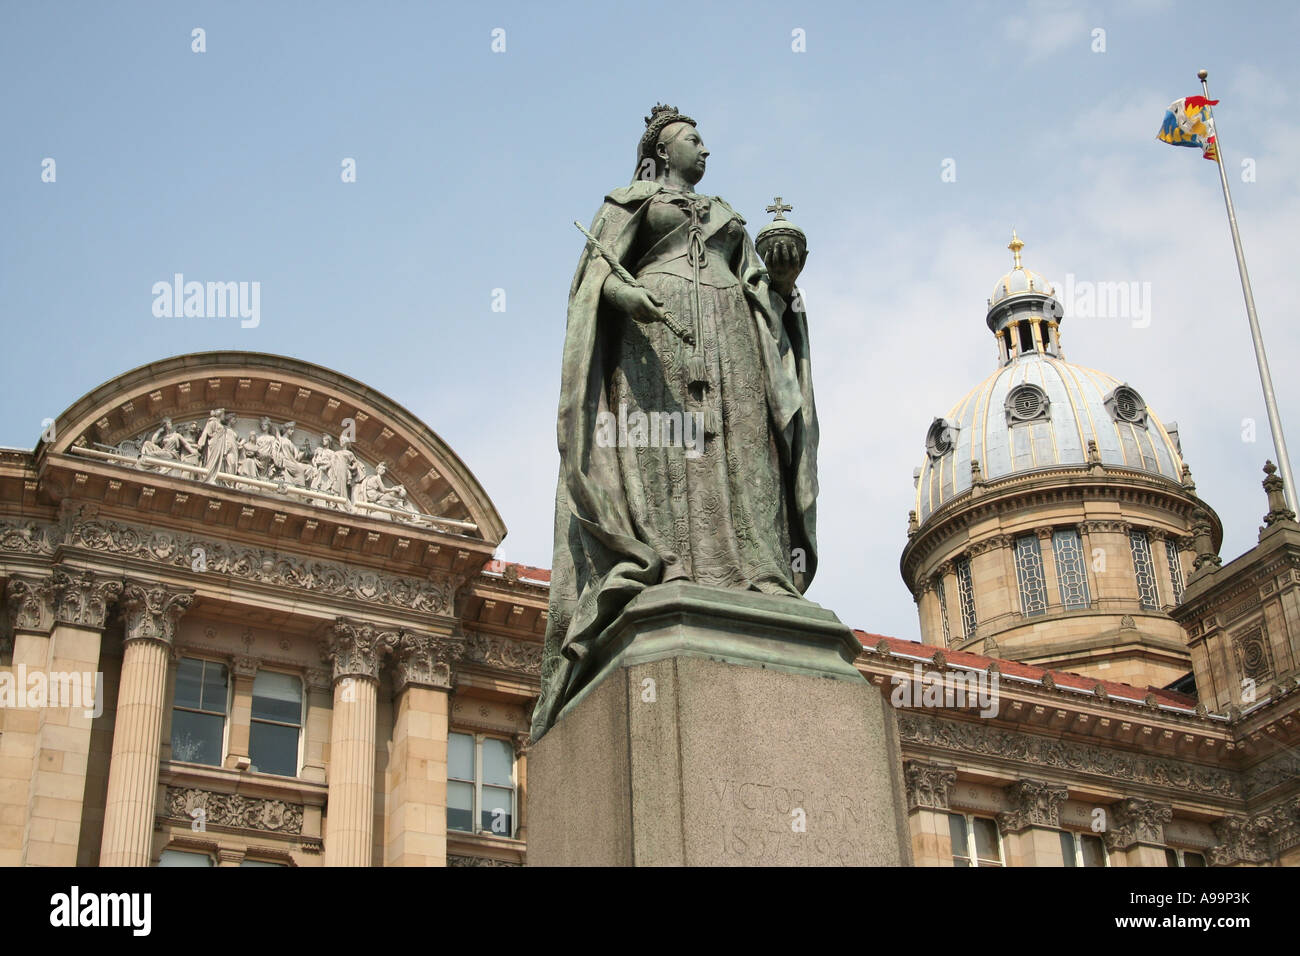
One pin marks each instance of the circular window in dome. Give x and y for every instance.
(1126, 405)
(941, 438)
(1026, 403)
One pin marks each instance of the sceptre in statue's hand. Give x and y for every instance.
(629, 280)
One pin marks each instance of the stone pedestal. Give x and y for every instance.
(724, 728)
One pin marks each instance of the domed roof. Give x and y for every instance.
(1019, 279)
(1039, 412)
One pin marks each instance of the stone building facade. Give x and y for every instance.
(253, 617)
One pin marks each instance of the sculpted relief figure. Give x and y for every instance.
(706, 334)
(268, 453)
(219, 444)
(373, 491)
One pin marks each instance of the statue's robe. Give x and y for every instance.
(600, 561)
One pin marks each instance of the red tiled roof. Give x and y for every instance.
(962, 658)
(524, 570)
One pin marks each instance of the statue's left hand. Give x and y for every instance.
(784, 265)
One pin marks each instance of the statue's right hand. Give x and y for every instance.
(639, 303)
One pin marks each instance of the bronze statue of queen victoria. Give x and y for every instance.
(674, 316)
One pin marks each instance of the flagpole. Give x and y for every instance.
(1261, 359)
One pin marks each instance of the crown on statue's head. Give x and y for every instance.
(660, 116)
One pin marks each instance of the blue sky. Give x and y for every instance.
(471, 166)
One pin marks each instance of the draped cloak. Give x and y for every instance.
(599, 563)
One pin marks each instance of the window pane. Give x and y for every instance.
(214, 687)
(957, 832)
(966, 594)
(1094, 851)
(1142, 568)
(1067, 849)
(460, 756)
(460, 806)
(273, 749)
(196, 738)
(498, 762)
(277, 697)
(183, 858)
(1071, 570)
(1029, 573)
(495, 817)
(189, 679)
(1192, 859)
(248, 862)
(986, 840)
(1171, 858)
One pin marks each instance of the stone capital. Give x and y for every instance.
(1034, 803)
(82, 598)
(150, 610)
(30, 603)
(1242, 839)
(1134, 821)
(356, 648)
(242, 665)
(928, 784)
(424, 660)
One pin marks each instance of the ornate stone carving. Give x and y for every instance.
(1241, 840)
(83, 598)
(1277, 507)
(356, 648)
(275, 455)
(1034, 803)
(30, 602)
(27, 537)
(1251, 651)
(151, 609)
(241, 665)
(232, 810)
(504, 653)
(424, 660)
(477, 861)
(928, 784)
(262, 566)
(972, 738)
(1134, 821)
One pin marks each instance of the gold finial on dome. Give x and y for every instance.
(1015, 246)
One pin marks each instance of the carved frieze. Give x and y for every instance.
(972, 738)
(1034, 803)
(1134, 821)
(504, 652)
(261, 565)
(151, 609)
(477, 861)
(232, 810)
(928, 784)
(30, 601)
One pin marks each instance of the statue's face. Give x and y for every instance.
(683, 152)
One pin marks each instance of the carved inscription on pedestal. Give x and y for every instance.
(781, 823)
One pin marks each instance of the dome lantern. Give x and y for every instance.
(1023, 311)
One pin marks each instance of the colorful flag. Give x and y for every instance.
(1187, 124)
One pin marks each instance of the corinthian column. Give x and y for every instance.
(1031, 828)
(415, 826)
(29, 602)
(150, 611)
(58, 786)
(355, 649)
